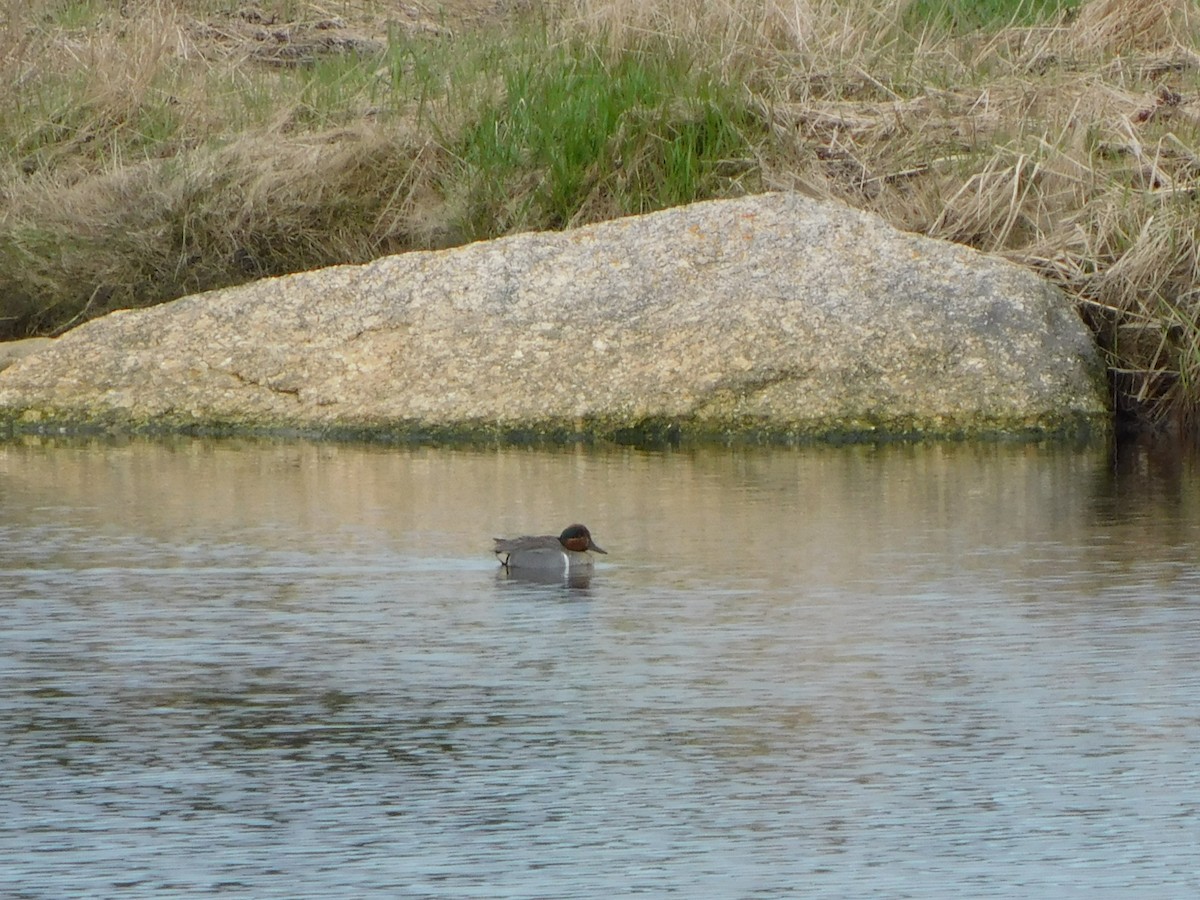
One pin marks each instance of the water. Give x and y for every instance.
(292, 670)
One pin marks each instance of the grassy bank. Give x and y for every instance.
(152, 149)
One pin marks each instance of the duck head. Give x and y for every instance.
(578, 539)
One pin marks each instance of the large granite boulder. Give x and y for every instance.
(772, 315)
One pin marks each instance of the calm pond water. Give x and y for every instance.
(292, 670)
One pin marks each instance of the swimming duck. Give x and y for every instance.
(565, 552)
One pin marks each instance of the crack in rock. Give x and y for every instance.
(274, 389)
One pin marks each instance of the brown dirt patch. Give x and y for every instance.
(256, 33)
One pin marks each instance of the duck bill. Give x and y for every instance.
(592, 545)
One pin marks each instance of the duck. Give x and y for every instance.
(565, 552)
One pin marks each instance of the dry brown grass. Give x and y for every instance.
(139, 166)
(1120, 26)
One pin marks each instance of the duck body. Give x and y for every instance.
(547, 552)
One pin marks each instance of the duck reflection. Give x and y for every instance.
(575, 579)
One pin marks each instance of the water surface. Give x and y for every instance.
(293, 670)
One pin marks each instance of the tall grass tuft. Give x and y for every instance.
(589, 138)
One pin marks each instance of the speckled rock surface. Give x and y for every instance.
(11, 351)
(772, 314)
